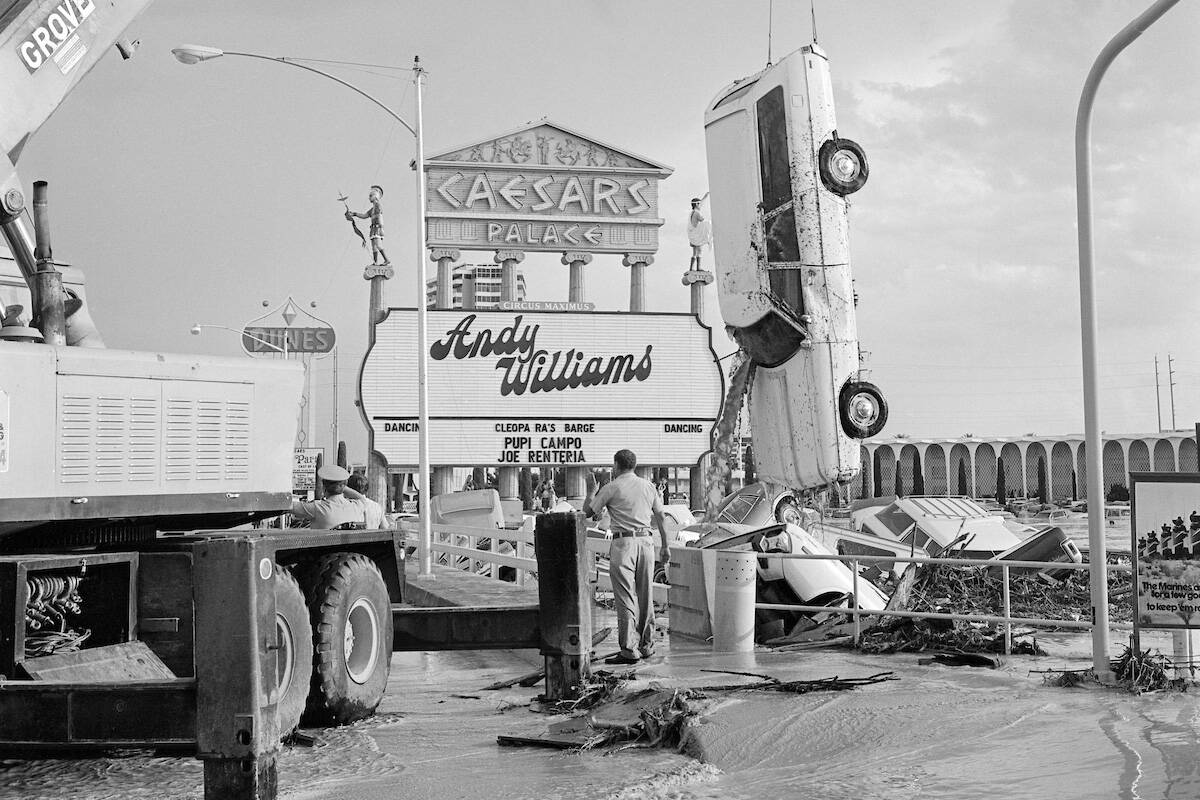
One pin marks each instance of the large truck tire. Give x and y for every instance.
(352, 638)
(294, 643)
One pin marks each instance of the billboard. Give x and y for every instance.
(544, 388)
(543, 188)
(1166, 549)
(288, 329)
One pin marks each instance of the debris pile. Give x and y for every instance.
(980, 591)
(1136, 672)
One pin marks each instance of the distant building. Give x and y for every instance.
(970, 465)
(487, 286)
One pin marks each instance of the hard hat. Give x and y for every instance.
(332, 473)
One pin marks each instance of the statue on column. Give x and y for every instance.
(375, 215)
(699, 231)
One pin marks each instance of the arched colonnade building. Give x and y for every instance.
(971, 465)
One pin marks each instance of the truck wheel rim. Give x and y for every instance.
(361, 646)
(286, 648)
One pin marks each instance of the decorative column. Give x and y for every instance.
(576, 476)
(377, 477)
(577, 261)
(445, 258)
(697, 279)
(443, 477)
(507, 478)
(637, 263)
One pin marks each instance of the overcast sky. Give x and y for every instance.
(193, 193)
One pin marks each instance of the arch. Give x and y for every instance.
(1081, 467)
(1035, 454)
(935, 470)
(1164, 456)
(1113, 459)
(861, 488)
(1010, 462)
(985, 470)
(961, 477)
(884, 468)
(910, 480)
(1139, 456)
(1062, 469)
(1187, 456)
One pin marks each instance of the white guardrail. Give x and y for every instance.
(459, 547)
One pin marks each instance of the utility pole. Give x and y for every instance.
(1171, 385)
(1157, 395)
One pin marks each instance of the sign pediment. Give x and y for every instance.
(547, 144)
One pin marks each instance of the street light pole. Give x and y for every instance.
(426, 512)
(194, 54)
(1097, 552)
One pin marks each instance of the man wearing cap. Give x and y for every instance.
(632, 502)
(338, 507)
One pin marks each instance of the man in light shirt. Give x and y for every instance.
(338, 508)
(632, 503)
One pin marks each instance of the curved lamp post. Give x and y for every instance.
(198, 327)
(195, 54)
(1097, 552)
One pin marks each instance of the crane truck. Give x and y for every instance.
(138, 606)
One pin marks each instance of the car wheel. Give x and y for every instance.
(789, 512)
(843, 166)
(862, 409)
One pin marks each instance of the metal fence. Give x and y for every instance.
(1006, 618)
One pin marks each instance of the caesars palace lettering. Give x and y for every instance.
(527, 368)
(518, 192)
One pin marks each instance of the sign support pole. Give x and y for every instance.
(576, 293)
(508, 478)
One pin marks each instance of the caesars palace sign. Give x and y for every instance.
(544, 387)
(543, 188)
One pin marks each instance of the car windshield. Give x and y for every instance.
(739, 506)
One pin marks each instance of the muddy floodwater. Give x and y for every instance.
(938, 732)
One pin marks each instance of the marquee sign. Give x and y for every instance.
(543, 188)
(544, 388)
(289, 328)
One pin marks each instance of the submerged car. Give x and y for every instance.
(790, 580)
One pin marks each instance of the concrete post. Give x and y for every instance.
(576, 293)
(564, 598)
(697, 279)
(443, 477)
(506, 477)
(733, 603)
(637, 263)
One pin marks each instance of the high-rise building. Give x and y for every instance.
(487, 286)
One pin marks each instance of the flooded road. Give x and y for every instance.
(938, 732)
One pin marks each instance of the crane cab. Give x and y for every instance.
(779, 175)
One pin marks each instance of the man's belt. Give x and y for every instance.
(638, 532)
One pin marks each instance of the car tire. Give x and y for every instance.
(787, 511)
(843, 166)
(294, 648)
(862, 409)
(351, 617)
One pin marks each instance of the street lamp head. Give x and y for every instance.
(195, 53)
(196, 330)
